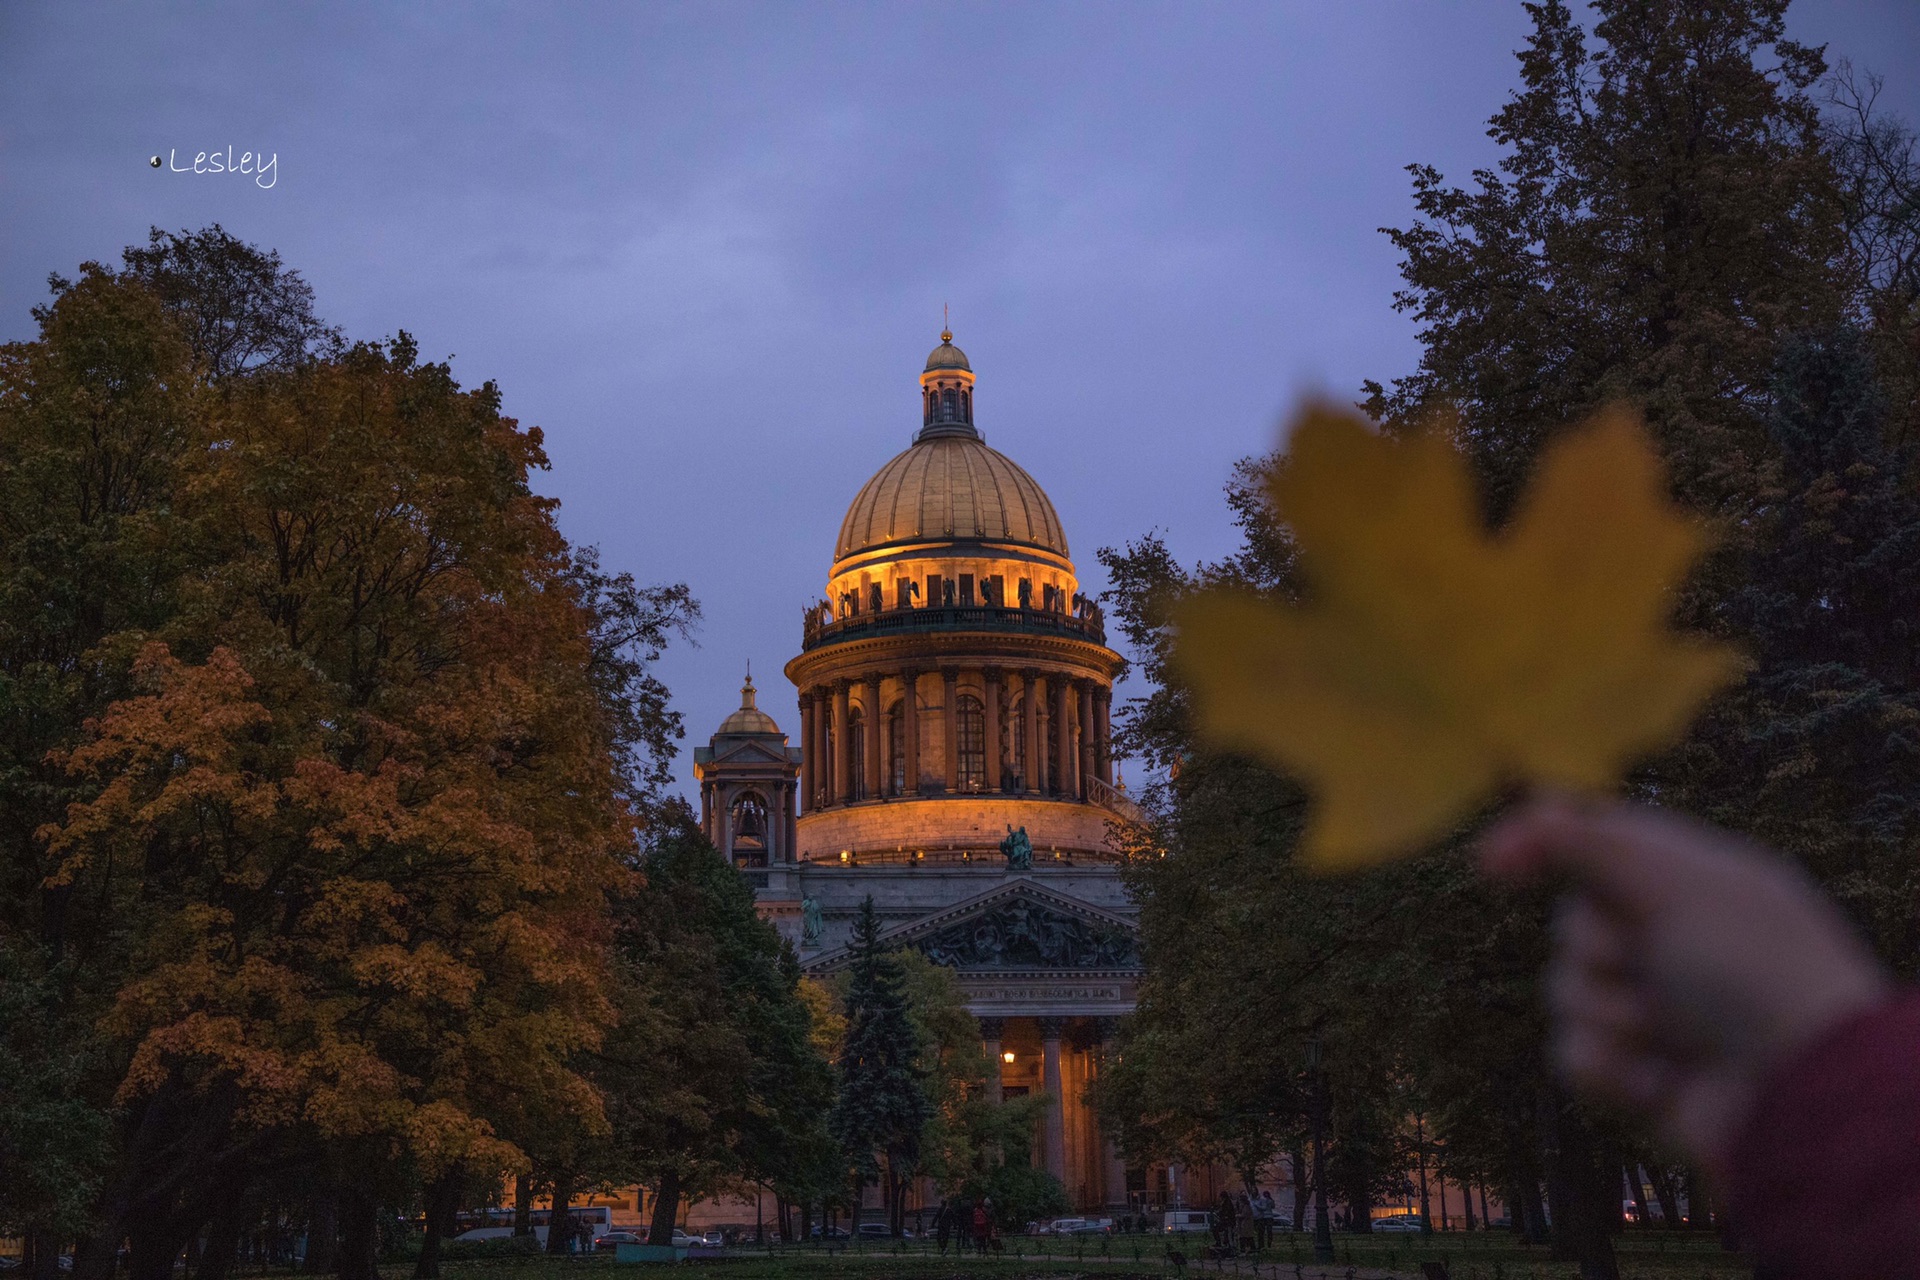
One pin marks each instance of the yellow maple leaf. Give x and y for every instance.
(1436, 661)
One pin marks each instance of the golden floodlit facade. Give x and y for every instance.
(954, 764)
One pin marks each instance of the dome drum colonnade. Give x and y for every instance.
(925, 677)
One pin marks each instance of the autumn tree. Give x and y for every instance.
(321, 752)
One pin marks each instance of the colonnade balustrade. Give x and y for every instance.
(1055, 744)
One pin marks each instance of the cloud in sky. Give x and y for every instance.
(706, 245)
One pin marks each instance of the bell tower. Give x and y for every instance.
(749, 780)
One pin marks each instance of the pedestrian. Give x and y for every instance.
(1264, 1218)
(1243, 1217)
(1223, 1222)
(943, 1224)
(981, 1226)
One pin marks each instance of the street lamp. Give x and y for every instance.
(1322, 1225)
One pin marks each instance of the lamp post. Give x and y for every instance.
(1322, 1225)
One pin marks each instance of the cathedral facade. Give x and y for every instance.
(954, 764)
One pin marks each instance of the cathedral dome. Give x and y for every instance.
(749, 718)
(947, 356)
(950, 487)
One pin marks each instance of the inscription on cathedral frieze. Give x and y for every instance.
(1029, 936)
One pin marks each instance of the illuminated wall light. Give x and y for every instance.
(1007, 1056)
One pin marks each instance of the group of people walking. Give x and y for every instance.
(1243, 1221)
(962, 1222)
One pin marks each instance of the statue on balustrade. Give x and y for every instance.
(1018, 849)
(812, 924)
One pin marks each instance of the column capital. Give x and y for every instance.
(1106, 1031)
(990, 672)
(1052, 1028)
(992, 1028)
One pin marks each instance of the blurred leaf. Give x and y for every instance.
(1435, 660)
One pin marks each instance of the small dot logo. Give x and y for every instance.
(153, 162)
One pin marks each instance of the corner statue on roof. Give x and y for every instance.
(1018, 849)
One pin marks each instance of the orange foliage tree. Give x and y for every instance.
(329, 783)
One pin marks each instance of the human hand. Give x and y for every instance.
(1687, 964)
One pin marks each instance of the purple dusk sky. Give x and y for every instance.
(706, 246)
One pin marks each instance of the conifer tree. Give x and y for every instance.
(881, 1108)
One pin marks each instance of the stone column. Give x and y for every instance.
(706, 810)
(990, 1032)
(1053, 1143)
(809, 796)
(1113, 1164)
(723, 826)
(875, 718)
(1103, 734)
(793, 829)
(822, 761)
(1086, 736)
(1030, 694)
(910, 725)
(842, 746)
(1063, 755)
(996, 760)
(950, 722)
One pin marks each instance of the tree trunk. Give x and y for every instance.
(1582, 1189)
(1699, 1201)
(1486, 1214)
(666, 1208)
(443, 1211)
(523, 1205)
(1298, 1157)
(1666, 1193)
(222, 1248)
(359, 1236)
(1639, 1186)
(323, 1234)
(560, 1220)
(153, 1246)
(41, 1260)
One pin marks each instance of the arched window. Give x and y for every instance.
(973, 744)
(966, 406)
(897, 748)
(747, 827)
(946, 404)
(857, 752)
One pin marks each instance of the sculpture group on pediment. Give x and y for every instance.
(1026, 935)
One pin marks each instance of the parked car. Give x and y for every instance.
(1399, 1222)
(829, 1233)
(614, 1239)
(1084, 1226)
(880, 1231)
(1186, 1220)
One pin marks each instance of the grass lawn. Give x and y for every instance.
(1651, 1255)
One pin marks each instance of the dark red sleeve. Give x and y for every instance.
(1825, 1177)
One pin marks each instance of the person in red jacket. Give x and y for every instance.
(1708, 984)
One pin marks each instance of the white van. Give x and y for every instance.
(1186, 1220)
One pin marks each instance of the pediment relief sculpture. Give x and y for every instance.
(1028, 935)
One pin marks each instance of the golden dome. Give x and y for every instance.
(749, 718)
(947, 356)
(950, 487)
